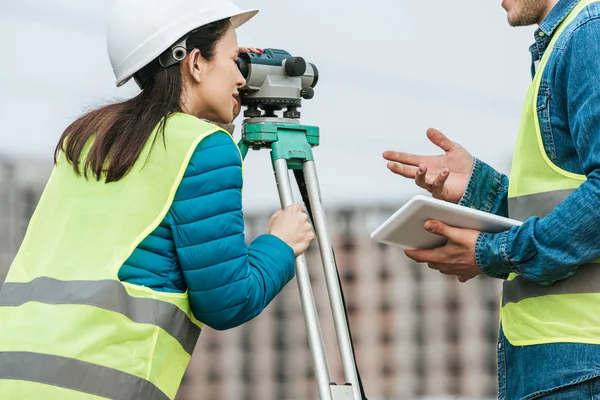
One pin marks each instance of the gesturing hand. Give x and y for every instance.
(445, 176)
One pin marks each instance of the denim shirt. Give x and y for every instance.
(548, 249)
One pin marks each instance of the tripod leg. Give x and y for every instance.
(315, 338)
(331, 277)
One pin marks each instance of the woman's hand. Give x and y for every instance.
(291, 225)
(445, 176)
(251, 50)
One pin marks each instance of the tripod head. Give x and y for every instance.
(275, 80)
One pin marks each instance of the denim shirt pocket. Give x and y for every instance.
(543, 110)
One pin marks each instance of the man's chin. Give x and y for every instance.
(517, 20)
(513, 23)
(517, 23)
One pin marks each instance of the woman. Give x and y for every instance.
(138, 238)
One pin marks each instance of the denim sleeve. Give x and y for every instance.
(548, 249)
(228, 282)
(487, 190)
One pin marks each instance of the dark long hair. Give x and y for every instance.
(120, 130)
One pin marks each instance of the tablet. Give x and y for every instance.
(405, 227)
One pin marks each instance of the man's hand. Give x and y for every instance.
(457, 257)
(445, 176)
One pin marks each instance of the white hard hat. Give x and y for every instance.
(140, 30)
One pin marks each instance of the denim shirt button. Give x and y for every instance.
(499, 346)
(541, 34)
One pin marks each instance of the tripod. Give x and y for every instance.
(291, 149)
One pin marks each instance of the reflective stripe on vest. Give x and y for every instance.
(76, 375)
(109, 295)
(586, 280)
(538, 204)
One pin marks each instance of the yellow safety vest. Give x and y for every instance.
(566, 311)
(69, 329)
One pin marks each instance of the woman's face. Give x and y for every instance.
(216, 83)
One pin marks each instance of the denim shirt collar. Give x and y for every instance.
(543, 35)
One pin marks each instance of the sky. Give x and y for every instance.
(389, 69)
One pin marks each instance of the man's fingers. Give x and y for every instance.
(440, 140)
(446, 272)
(403, 170)
(439, 228)
(439, 181)
(421, 178)
(404, 158)
(422, 256)
(436, 266)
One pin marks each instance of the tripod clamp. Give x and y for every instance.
(286, 138)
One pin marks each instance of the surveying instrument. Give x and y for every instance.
(276, 81)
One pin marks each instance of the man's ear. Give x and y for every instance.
(193, 65)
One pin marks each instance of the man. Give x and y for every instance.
(549, 341)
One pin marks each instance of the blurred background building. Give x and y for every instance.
(417, 334)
